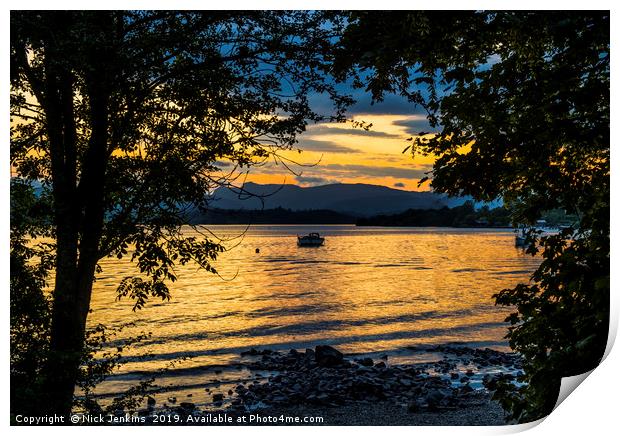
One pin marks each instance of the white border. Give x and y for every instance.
(591, 410)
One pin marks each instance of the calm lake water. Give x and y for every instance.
(368, 290)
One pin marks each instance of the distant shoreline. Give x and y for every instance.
(465, 216)
(354, 225)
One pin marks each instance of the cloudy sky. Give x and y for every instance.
(341, 153)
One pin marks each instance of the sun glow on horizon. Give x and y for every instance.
(340, 153)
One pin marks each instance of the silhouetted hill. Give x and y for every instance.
(352, 199)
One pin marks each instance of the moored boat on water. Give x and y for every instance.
(311, 240)
(541, 229)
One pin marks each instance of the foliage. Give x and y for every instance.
(103, 354)
(29, 306)
(559, 218)
(562, 318)
(519, 106)
(100, 360)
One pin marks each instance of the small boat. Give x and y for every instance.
(541, 229)
(312, 240)
(521, 237)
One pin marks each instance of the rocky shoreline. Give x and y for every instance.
(351, 390)
(324, 377)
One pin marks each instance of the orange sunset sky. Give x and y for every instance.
(346, 154)
(329, 153)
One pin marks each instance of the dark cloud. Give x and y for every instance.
(323, 129)
(352, 170)
(314, 180)
(324, 146)
(399, 185)
(415, 126)
(391, 105)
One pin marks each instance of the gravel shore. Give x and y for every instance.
(483, 411)
(478, 410)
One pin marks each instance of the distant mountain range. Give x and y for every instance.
(354, 199)
(348, 199)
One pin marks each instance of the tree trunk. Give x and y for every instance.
(79, 212)
(66, 335)
(72, 292)
(67, 338)
(74, 276)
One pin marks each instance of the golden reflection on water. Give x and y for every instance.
(366, 289)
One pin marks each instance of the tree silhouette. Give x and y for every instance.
(123, 117)
(519, 102)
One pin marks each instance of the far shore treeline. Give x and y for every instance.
(464, 216)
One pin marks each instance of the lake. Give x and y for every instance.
(368, 290)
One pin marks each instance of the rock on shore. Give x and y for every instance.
(323, 377)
